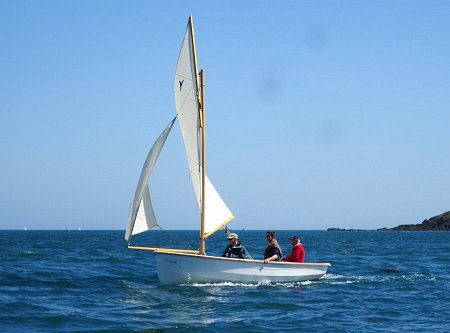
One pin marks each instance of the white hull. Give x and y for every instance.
(178, 268)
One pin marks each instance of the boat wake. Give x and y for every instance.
(343, 279)
(331, 279)
(250, 285)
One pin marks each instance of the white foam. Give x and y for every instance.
(251, 285)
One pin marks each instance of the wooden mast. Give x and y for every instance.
(202, 122)
(201, 101)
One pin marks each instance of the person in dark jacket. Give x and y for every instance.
(273, 251)
(298, 251)
(235, 249)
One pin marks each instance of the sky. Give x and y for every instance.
(319, 113)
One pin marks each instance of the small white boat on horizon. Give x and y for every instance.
(179, 266)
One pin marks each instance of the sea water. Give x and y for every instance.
(88, 281)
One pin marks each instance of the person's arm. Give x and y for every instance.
(245, 254)
(274, 257)
(275, 254)
(225, 252)
(294, 256)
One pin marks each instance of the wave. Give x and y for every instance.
(343, 279)
(249, 284)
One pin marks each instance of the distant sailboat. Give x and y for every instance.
(175, 266)
(25, 228)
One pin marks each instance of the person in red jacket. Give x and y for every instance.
(298, 251)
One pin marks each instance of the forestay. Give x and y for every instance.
(186, 89)
(142, 216)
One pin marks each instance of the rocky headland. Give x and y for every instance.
(436, 223)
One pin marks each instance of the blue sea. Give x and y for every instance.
(88, 281)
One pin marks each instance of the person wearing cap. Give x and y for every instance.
(235, 249)
(298, 251)
(273, 251)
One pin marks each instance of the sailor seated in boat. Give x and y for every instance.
(273, 251)
(298, 251)
(235, 249)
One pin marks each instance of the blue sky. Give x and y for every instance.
(319, 113)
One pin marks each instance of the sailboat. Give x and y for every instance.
(179, 266)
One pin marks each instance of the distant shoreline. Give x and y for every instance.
(436, 223)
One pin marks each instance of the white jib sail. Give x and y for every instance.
(187, 106)
(142, 216)
(217, 212)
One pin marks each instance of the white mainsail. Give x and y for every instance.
(186, 90)
(187, 106)
(142, 217)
